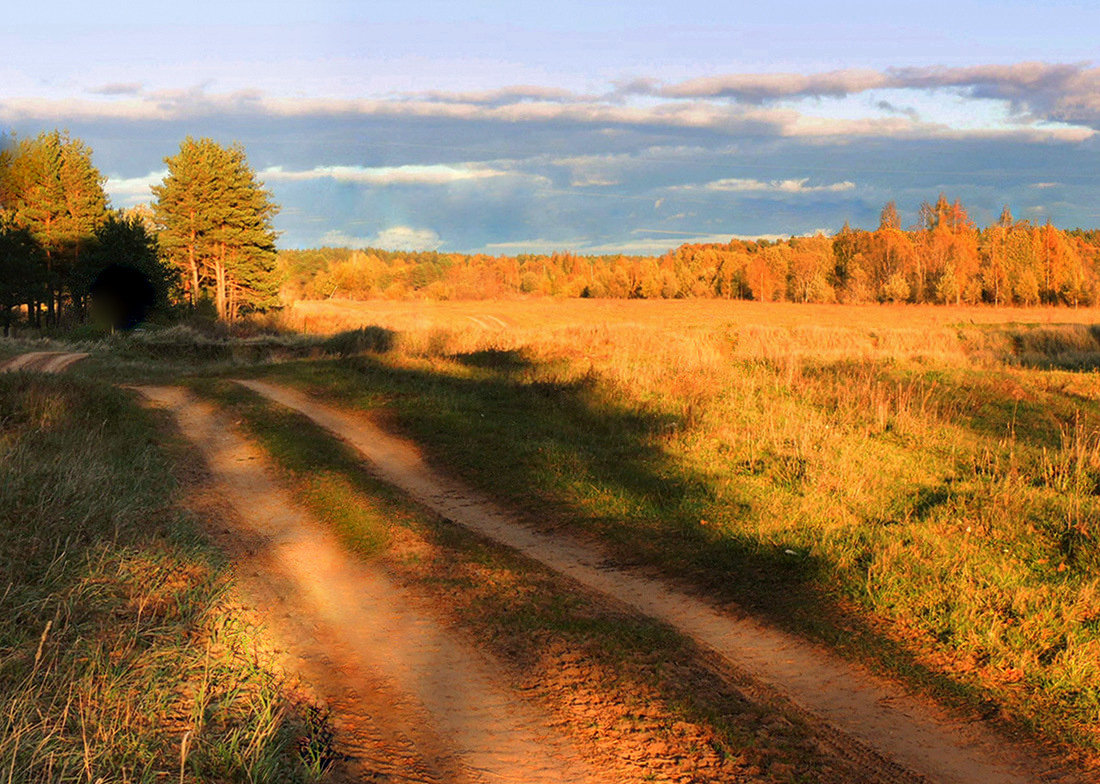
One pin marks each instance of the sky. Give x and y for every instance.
(593, 127)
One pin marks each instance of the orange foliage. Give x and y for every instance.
(945, 259)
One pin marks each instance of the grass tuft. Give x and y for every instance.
(122, 654)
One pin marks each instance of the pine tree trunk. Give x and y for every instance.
(194, 267)
(219, 288)
(49, 289)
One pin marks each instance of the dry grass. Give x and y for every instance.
(122, 656)
(776, 331)
(338, 315)
(916, 464)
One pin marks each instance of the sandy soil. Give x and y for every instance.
(42, 362)
(911, 732)
(417, 703)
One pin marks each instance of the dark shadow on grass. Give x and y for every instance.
(358, 341)
(504, 361)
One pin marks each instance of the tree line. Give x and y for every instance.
(207, 242)
(67, 256)
(944, 259)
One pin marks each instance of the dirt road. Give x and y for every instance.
(877, 712)
(444, 716)
(42, 361)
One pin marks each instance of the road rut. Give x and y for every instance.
(43, 361)
(428, 690)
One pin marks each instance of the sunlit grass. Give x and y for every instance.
(122, 654)
(917, 496)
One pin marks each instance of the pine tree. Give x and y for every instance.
(22, 272)
(124, 263)
(215, 221)
(182, 211)
(50, 187)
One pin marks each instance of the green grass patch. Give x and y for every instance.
(322, 472)
(122, 657)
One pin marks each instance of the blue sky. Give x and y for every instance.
(597, 127)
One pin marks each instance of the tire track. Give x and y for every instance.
(43, 361)
(410, 687)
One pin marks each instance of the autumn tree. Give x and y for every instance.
(215, 227)
(809, 262)
(49, 187)
(767, 273)
(891, 257)
(1060, 273)
(1021, 263)
(993, 244)
(947, 253)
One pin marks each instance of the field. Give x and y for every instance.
(917, 486)
(337, 314)
(916, 489)
(754, 330)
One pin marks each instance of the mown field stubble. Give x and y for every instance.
(918, 487)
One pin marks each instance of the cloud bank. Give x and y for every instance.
(640, 164)
(740, 102)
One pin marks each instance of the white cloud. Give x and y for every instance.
(503, 95)
(117, 88)
(1032, 83)
(759, 87)
(1054, 97)
(392, 238)
(340, 239)
(128, 191)
(408, 238)
(539, 245)
(433, 174)
(741, 185)
(591, 180)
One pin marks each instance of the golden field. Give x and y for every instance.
(934, 470)
(338, 314)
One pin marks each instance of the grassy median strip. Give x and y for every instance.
(122, 654)
(622, 684)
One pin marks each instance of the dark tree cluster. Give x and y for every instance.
(66, 257)
(58, 238)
